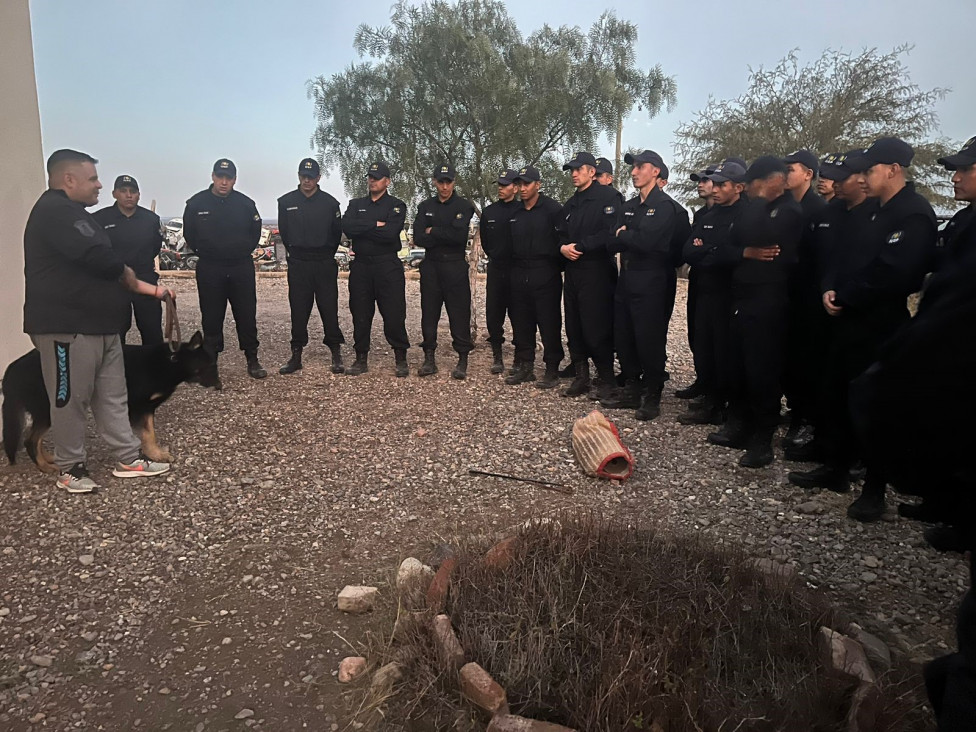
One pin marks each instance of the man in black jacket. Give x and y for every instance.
(496, 240)
(137, 236)
(310, 225)
(75, 301)
(223, 227)
(441, 227)
(373, 224)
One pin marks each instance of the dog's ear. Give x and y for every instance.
(196, 341)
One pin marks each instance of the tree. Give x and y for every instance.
(457, 81)
(840, 102)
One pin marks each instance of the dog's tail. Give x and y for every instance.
(13, 423)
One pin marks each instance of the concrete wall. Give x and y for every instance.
(23, 178)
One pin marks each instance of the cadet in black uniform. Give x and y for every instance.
(374, 223)
(537, 283)
(310, 225)
(137, 236)
(604, 173)
(441, 227)
(223, 227)
(766, 238)
(589, 220)
(869, 297)
(496, 240)
(709, 252)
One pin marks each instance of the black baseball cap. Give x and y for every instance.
(889, 151)
(308, 168)
(528, 174)
(663, 175)
(225, 168)
(763, 167)
(126, 181)
(647, 156)
(740, 161)
(727, 171)
(507, 176)
(966, 156)
(841, 166)
(805, 158)
(378, 170)
(604, 166)
(581, 159)
(445, 171)
(701, 174)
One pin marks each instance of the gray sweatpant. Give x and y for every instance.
(82, 372)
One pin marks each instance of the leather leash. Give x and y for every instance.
(171, 324)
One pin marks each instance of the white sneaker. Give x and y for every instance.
(77, 480)
(140, 467)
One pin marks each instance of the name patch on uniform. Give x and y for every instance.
(428, 214)
(256, 217)
(203, 213)
(608, 210)
(650, 212)
(109, 226)
(894, 238)
(84, 228)
(774, 213)
(823, 225)
(459, 216)
(292, 208)
(396, 209)
(628, 213)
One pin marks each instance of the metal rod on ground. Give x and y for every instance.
(559, 487)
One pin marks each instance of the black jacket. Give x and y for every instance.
(839, 240)
(310, 226)
(361, 217)
(221, 229)
(765, 224)
(136, 238)
(496, 229)
(650, 229)
(534, 235)
(714, 258)
(590, 219)
(449, 223)
(71, 271)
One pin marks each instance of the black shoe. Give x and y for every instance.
(733, 434)
(924, 511)
(429, 366)
(402, 369)
(497, 365)
(569, 372)
(811, 452)
(460, 371)
(690, 392)
(946, 539)
(581, 384)
(515, 365)
(602, 391)
(824, 476)
(760, 451)
(649, 408)
(868, 506)
(254, 368)
(294, 363)
(626, 397)
(359, 366)
(705, 415)
(524, 372)
(550, 379)
(337, 366)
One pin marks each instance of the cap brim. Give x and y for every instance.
(376, 176)
(440, 178)
(952, 162)
(225, 174)
(506, 181)
(836, 174)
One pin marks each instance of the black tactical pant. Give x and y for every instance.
(378, 281)
(690, 305)
(220, 282)
(537, 287)
(308, 281)
(148, 312)
(498, 299)
(588, 299)
(643, 302)
(712, 351)
(445, 283)
(806, 350)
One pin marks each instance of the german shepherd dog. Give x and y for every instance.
(152, 374)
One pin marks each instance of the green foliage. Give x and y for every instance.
(457, 81)
(839, 102)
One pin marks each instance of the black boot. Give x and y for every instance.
(360, 365)
(400, 356)
(605, 383)
(946, 539)
(809, 452)
(515, 365)
(733, 434)
(254, 368)
(294, 363)
(650, 406)
(460, 371)
(707, 412)
(569, 372)
(550, 379)
(497, 365)
(524, 372)
(825, 476)
(870, 504)
(626, 397)
(760, 451)
(581, 384)
(337, 367)
(690, 392)
(429, 366)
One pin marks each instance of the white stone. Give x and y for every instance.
(357, 599)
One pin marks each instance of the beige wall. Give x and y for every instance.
(23, 177)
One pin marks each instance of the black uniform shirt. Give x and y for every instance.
(590, 220)
(496, 229)
(650, 226)
(839, 239)
(136, 238)
(534, 235)
(765, 224)
(310, 226)
(449, 223)
(71, 271)
(714, 257)
(221, 228)
(957, 234)
(957, 260)
(901, 243)
(361, 217)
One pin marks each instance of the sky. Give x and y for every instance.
(160, 90)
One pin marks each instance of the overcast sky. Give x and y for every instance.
(160, 90)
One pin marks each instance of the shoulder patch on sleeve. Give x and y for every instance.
(608, 210)
(459, 216)
(396, 209)
(894, 237)
(257, 217)
(84, 228)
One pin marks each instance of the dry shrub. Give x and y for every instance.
(602, 627)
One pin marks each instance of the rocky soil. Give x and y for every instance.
(206, 599)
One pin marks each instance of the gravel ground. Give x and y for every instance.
(205, 600)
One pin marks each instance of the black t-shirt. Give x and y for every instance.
(136, 238)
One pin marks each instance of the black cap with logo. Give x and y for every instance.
(507, 176)
(765, 166)
(841, 166)
(580, 159)
(445, 171)
(528, 174)
(604, 166)
(308, 168)
(646, 156)
(727, 172)
(703, 174)
(378, 170)
(224, 168)
(805, 158)
(889, 151)
(126, 181)
(963, 158)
